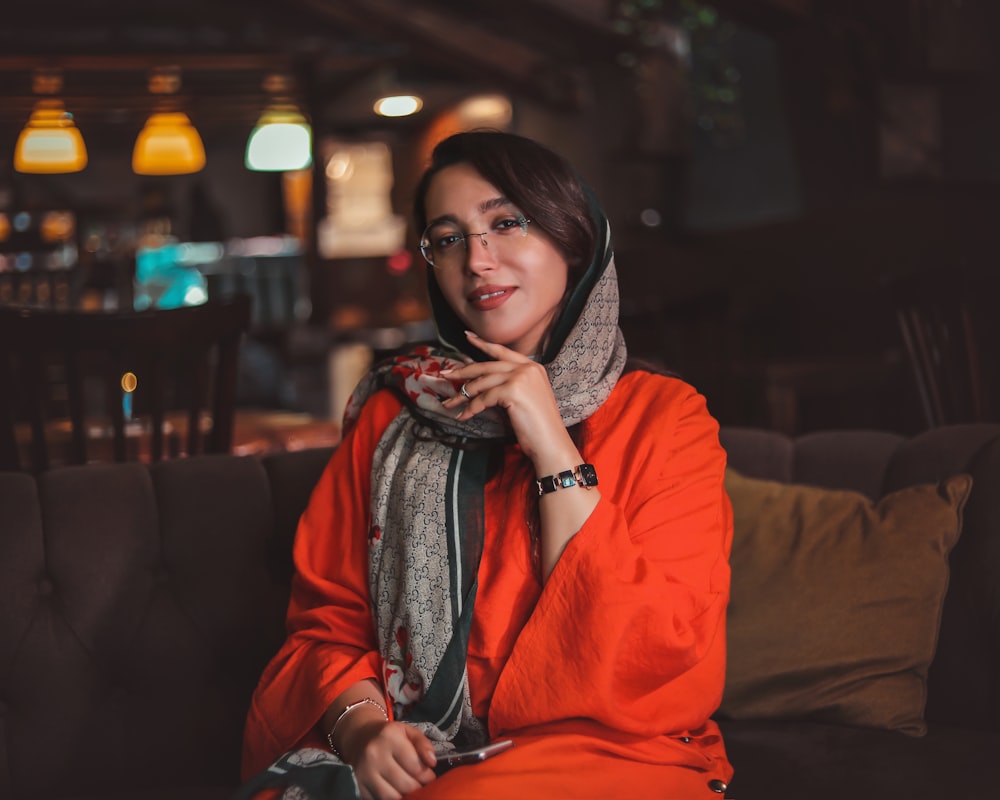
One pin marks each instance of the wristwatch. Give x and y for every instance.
(584, 475)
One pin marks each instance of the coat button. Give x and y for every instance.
(718, 786)
(686, 739)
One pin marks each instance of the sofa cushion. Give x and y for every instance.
(836, 601)
(137, 616)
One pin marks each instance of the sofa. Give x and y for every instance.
(138, 605)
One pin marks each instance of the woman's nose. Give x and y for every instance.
(478, 253)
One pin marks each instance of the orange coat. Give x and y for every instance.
(606, 676)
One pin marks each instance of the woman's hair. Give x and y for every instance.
(542, 185)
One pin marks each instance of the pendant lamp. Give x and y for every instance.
(50, 142)
(168, 143)
(281, 141)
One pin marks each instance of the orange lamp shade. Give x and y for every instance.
(50, 141)
(168, 144)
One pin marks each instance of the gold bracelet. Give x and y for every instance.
(347, 710)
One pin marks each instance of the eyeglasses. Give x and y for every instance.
(444, 246)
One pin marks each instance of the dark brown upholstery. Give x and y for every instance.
(138, 605)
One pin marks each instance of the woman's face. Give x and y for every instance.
(509, 289)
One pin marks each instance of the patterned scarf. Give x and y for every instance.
(427, 498)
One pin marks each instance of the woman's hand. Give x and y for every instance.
(521, 387)
(390, 759)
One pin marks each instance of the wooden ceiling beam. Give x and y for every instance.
(456, 43)
(207, 62)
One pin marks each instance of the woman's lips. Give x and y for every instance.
(489, 297)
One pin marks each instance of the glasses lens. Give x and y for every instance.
(443, 245)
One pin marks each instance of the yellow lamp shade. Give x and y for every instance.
(168, 145)
(50, 142)
(281, 141)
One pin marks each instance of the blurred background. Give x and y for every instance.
(803, 193)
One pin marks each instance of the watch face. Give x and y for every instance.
(588, 475)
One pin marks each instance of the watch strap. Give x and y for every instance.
(583, 475)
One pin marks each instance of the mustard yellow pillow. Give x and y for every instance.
(836, 601)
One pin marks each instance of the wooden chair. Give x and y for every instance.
(71, 365)
(943, 335)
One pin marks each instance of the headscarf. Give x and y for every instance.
(427, 492)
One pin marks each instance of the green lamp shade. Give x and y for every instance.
(281, 142)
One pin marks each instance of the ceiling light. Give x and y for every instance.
(168, 143)
(398, 105)
(50, 142)
(281, 141)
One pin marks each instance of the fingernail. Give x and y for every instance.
(446, 372)
(472, 333)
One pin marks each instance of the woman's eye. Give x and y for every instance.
(507, 224)
(446, 240)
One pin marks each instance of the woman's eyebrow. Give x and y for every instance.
(485, 207)
(495, 202)
(442, 219)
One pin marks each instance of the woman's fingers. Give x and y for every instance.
(523, 392)
(517, 384)
(423, 748)
(474, 379)
(395, 763)
(475, 384)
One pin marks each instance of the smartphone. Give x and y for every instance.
(474, 756)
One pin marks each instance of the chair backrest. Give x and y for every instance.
(71, 364)
(42, 287)
(942, 329)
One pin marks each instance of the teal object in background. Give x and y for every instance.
(168, 276)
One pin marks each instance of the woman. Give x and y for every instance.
(516, 539)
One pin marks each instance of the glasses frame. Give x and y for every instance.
(425, 245)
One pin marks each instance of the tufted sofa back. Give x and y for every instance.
(964, 679)
(138, 606)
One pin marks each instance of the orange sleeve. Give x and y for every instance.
(331, 640)
(629, 630)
